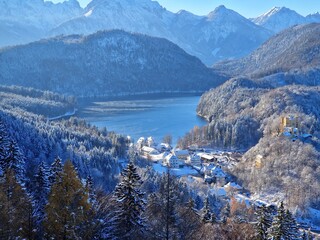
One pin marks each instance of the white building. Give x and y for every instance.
(150, 142)
(194, 160)
(147, 151)
(140, 143)
(171, 161)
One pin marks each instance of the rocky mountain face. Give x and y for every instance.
(106, 63)
(222, 34)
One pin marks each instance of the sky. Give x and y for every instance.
(247, 8)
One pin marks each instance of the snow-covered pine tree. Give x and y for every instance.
(278, 228)
(4, 146)
(40, 195)
(207, 215)
(292, 232)
(128, 222)
(55, 171)
(263, 222)
(89, 187)
(11, 156)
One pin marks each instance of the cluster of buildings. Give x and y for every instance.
(207, 163)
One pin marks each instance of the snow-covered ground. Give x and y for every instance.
(186, 170)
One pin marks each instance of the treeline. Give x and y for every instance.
(32, 100)
(59, 205)
(93, 151)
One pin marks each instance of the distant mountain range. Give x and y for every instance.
(222, 34)
(104, 64)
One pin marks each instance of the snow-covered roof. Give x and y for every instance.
(207, 156)
(179, 152)
(233, 185)
(148, 149)
(218, 172)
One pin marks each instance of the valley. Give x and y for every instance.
(124, 120)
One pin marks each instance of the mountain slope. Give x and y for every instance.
(219, 35)
(292, 52)
(105, 63)
(30, 20)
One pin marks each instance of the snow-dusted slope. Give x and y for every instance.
(280, 18)
(29, 20)
(221, 34)
(105, 63)
(295, 51)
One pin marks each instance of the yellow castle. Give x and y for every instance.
(290, 125)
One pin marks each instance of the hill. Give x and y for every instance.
(104, 64)
(291, 56)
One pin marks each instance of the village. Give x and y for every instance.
(204, 164)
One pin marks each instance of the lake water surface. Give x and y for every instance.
(145, 117)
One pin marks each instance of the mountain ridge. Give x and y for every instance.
(107, 63)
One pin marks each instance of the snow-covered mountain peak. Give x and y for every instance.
(279, 18)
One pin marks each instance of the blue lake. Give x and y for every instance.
(145, 117)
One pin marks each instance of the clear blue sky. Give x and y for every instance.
(247, 8)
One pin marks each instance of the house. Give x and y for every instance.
(171, 161)
(219, 175)
(207, 158)
(164, 147)
(150, 142)
(147, 151)
(140, 143)
(194, 160)
(181, 154)
(258, 161)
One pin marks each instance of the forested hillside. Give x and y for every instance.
(105, 64)
(292, 56)
(279, 79)
(24, 116)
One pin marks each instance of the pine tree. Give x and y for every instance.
(128, 222)
(264, 222)
(207, 215)
(292, 230)
(68, 209)
(89, 187)
(11, 158)
(4, 146)
(162, 216)
(55, 171)
(40, 195)
(278, 228)
(188, 220)
(15, 209)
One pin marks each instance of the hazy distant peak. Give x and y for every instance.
(222, 12)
